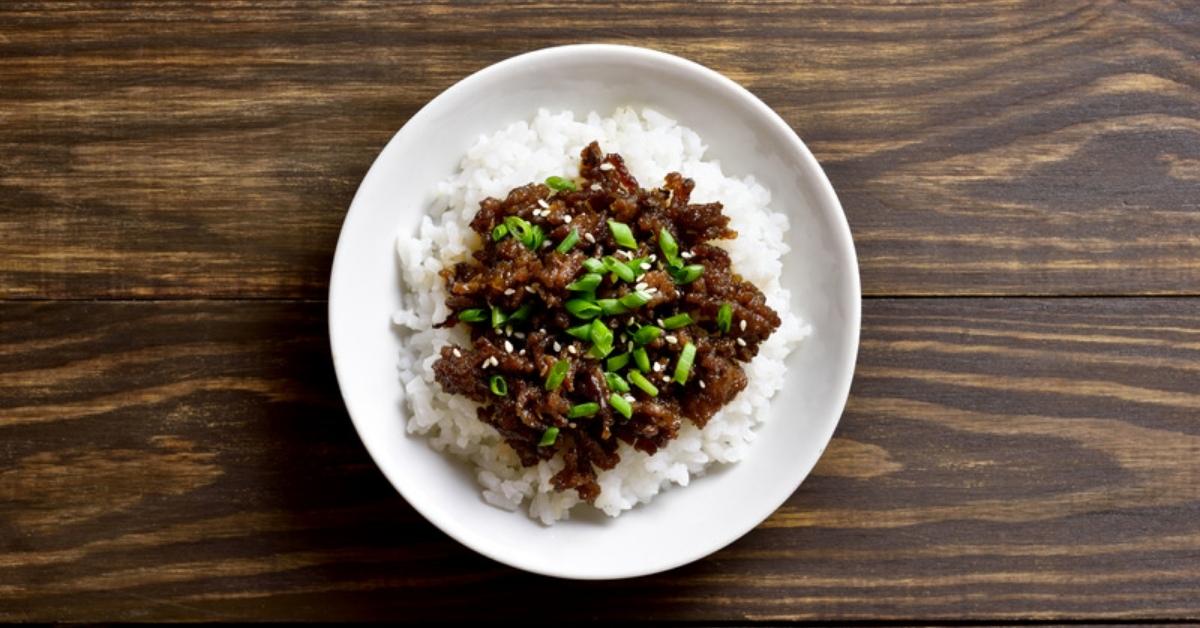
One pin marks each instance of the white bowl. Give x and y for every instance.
(681, 524)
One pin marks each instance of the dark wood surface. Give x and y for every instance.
(1021, 443)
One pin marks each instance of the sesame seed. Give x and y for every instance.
(651, 290)
(509, 292)
(629, 346)
(508, 346)
(702, 384)
(567, 219)
(667, 378)
(687, 255)
(557, 346)
(519, 334)
(543, 203)
(671, 339)
(640, 277)
(624, 338)
(521, 352)
(547, 244)
(530, 289)
(641, 286)
(606, 166)
(508, 330)
(629, 323)
(457, 353)
(629, 398)
(595, 187)
(660, 322)
(742, 325)
(741, 341)
(572, 350)
(572, 424)
(589, 237)
(653, 257)
(645, 265)
(658, 367)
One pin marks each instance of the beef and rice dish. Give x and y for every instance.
(599, 312)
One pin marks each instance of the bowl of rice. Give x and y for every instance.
(524, 120)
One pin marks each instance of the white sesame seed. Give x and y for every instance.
(651, 290)
(589, 237)
(508, 346)
(667, 378)
(508, 330)
(572, 424)
(641, 285)
(519, 334)
(645, 266)
(567, 219)
(557, 346)
(702, 384)
(658, 367)
(595, 187)
(521, 352)
(640, 277)
(543, 203)
(457, 353)
(629, 398)
(572, 350)
(625, 254)
(671, 339)
(530, 289)
(606, 166)
(629, 323)
(509, 292)
(653, 257)
(741, 342)
(660, 322)
(687, 255)
(742, 325)
(541, 330)
(629, 346)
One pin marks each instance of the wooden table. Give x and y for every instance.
(1021, 442)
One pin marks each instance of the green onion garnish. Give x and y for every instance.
(521, 313)
(683, 367)
(602, 339)
(611, 307)
(620, 405)
(622, 234)
(586, 283)
(635, 299)
(473, 315)
(641, 360)
(646, 334)
(499, 232)
(498, 317)
(498, 385)
(582, 308)
(593, 265)
(557, 373)
(583, 410)
(639, 380)
(677, 321)
(520, 229)
(725, 318)
(616, 383)
(617, 362)
(548, 437)
(536, 237)
(669, 247)
(568, 242)
(688, 273)
(582, 332)
(559, 184)
(618, 268)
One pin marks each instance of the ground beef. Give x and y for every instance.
(515, 297)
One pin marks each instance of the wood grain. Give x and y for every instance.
(980, 148)
(1000, 459)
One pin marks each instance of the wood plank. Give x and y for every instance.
(992, 147)
(1000, 459)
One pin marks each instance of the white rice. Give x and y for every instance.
(652, 146)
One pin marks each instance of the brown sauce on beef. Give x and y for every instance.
(507, 276)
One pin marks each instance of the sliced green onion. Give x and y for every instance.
(568, 242)
(641, 360)
(602, 339)
(611, 307)
(669, 247)
(688, 273)
(639, 380)
(498, 317)
(616, 383)
(593, 265)
(683, 367)
(559, 184)
(622, 234)
(548, 437)
(557, 374)
(498, 385)
(473, 315)
(677, 321)
(583, 410)
(582, 308)
(635, 299)
(586, 283)
(536, 237)
(499, 232)
(521, 313)
(520, 229)
(620, 405)
(617, 362)
(618, 268)
(646, 334)
(725, 318)
(582, 332)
